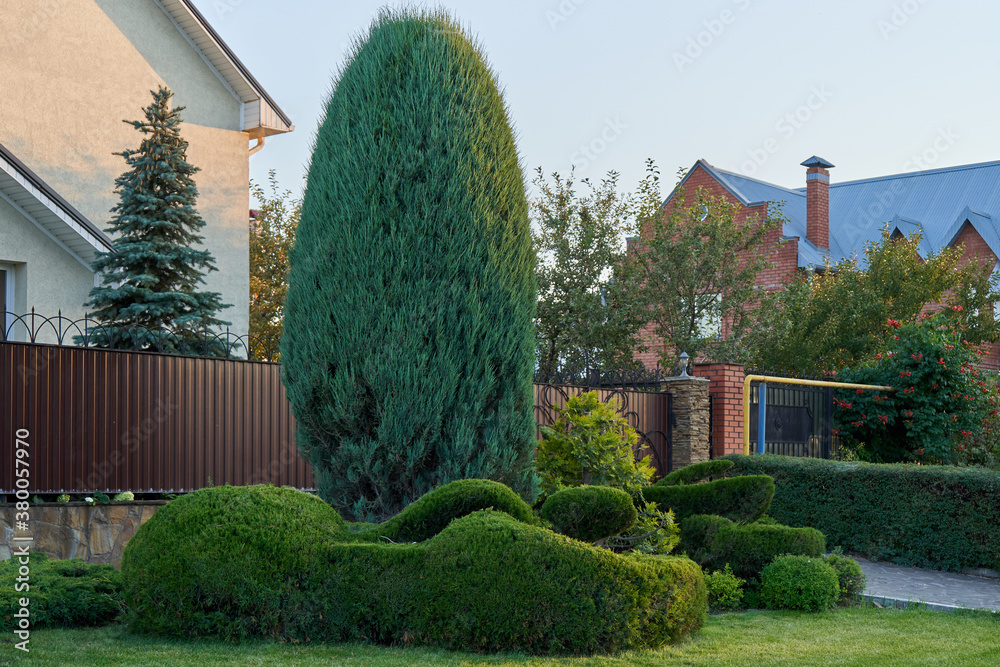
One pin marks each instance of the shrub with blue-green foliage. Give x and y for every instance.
(408, 342)
(62, 593)
(740, 499)
(590, 513)
(799, 582)
(239, 562)
(939, 517)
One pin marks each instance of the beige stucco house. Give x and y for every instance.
(70, 72)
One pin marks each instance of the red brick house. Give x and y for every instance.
(949, 206)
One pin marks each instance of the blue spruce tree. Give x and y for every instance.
(148, 299)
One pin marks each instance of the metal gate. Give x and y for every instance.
(797, 420)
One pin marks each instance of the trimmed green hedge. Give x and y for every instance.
(713, 541)
(741, 499)
(62, 593)
(590, 513)
(240, 562)
(696, 472)
(939, 517)
(429, 514)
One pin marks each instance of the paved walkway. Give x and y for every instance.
(895, 585)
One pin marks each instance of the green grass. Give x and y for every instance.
(843, 637)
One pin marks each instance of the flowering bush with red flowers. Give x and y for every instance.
(940, 400)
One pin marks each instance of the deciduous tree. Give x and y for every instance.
(272, 231)
(588, 311)
(699, 261)
(826, 321)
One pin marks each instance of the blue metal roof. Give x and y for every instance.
(937, 202)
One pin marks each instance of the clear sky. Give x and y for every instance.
(755, 86)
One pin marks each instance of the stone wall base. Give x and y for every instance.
(92, 533)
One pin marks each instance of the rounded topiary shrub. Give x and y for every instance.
(696, 472)
(590, 513)
(715, 541)
(62, 593)
(799, 582)
(238, 562)
(408, 342)
(741, 499)
(227, 561)
(850, 576)
(429, 515)
(510, 586)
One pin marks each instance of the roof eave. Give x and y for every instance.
(27, 193)
(268, 119)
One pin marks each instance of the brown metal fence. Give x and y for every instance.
(115, 420)
(102, 420)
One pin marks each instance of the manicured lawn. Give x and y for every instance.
(842, 637)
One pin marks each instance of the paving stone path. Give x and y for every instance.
(895, 585)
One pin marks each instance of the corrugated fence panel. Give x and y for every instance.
(104, 420)
(110, 421)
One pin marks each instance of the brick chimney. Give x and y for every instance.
(818, 201)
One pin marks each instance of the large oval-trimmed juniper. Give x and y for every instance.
(408, 337)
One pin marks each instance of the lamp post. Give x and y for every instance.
(683, 360)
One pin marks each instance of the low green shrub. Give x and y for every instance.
(430, 513)
(62, 593)
(799, 582)
(741, 499)
(512, 586)
(939, 517)
(590, 443)
(715, 541)
(264, 562)
(226, 561)
(725, 590)
(590, 513)
(696, 472)
(850, 577)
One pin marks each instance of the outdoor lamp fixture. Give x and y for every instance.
(684, 364)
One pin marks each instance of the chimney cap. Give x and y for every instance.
(815, 161)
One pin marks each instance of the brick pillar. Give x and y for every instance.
(689, 436)
(726, 389)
